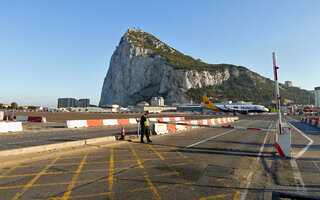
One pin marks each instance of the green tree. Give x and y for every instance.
(32, 107)
(14, 105)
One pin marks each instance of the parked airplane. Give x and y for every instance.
(242, 109)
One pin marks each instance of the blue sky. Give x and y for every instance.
(53, 49)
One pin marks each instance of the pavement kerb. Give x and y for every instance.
(56, 146)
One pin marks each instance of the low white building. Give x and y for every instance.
(157, 101)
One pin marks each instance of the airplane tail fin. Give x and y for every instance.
(209, 105)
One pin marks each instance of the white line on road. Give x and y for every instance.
(306, 147)
(253, 170)
(293, 161)
(202, 141)
(297, 176)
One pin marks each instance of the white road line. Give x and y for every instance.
(293, 161)
(250, 176)
(306, 147)
(209, 138)
(297, 176)
(202, 141)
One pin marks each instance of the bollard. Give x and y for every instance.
(283, 141)
(122, 134)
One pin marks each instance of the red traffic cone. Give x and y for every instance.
(122, 134)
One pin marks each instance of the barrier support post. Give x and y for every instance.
(283, 141)
(138, 127)
(283, 137)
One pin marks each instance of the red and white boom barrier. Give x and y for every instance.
(283, 138)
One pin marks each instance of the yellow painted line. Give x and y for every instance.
(98, 162)
(124, 191)
(10, 170)
(26, 187)
(110, 178)
(237, 193)
(75, 178)
(83, 181)
(152, 188)
(215, 196)
(171, 168)
(158, 154)
(188, 159)
(95, 170)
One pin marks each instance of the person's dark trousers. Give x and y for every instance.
(145, 131)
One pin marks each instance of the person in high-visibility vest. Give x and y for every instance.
(145, 122)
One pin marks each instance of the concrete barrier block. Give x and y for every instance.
(77, 123)
(132, 121)
(160, 129)
(181, 127)
(10, 127)
(109, 122)
(22, 118)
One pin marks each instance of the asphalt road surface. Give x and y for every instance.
(203, 163)
(33, 139)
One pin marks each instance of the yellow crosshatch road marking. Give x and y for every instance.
(26, 187)
(124, 191)
(84, 181)
(181, 154)
(96, 170)
(110, 179)
(9, 170)
(171, 168)
(75, 178)
(91, 163)
(152, 188)
(215, 196)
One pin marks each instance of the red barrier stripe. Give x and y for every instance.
(35, 119)
(172, 119)
(279, 150)
(123, 121)
(94, 122)
(227, 126)
(254, 129)
(171, 127)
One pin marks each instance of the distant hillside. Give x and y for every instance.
(244, 88)
(142, 67)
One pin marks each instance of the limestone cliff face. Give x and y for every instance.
(137, 73)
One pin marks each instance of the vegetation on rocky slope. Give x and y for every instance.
(244, 88)
(247, 86)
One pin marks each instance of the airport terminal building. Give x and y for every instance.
(317, 97)
(72, 102)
